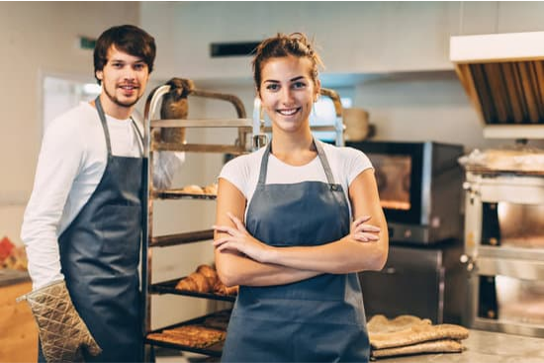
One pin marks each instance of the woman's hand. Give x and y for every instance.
(240, 240)
(362, 232)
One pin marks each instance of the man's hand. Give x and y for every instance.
(63, 334)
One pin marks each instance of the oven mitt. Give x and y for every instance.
(62, 333)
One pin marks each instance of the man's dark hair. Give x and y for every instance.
(126, 38)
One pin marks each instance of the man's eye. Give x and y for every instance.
(117, 65)
(139, 66)
(297, 85)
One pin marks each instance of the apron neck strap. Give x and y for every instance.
(102, 116)
(140, 136)
(320, 152)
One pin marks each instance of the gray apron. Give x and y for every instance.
(100, 254)
(320, 319)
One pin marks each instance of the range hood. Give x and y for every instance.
(503, 75)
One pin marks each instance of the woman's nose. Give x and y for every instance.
(286, 96)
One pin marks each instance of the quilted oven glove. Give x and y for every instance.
(62, 333)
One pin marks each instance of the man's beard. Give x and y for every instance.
(115, 100)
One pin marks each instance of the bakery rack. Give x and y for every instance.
(153, 142)
(252, 134)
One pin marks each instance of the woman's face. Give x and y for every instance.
(287, 92)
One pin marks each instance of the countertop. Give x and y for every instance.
(485, 347)
(11, 277)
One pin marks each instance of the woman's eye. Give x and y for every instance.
(298, 85)
(272, 87)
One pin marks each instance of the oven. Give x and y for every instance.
(504, 199)
(504, 251)
(420, 187)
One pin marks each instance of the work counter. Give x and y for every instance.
(485, 347)
(18, 332)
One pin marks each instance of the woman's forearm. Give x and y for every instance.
(343, 256)
(234, 269)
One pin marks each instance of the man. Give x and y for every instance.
(82, 226)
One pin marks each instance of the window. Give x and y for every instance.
(61, 94)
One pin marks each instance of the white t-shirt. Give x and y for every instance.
(346, 164)
(72, 160)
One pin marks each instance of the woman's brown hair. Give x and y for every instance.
(282, 45)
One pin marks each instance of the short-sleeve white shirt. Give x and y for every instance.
(346, 164)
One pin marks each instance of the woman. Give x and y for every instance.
(296, 257)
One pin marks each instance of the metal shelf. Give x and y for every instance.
(213, 350)
(169, 287)
(179, 194)
(181, 238)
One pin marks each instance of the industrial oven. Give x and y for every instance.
(504, 199)
(420, 187)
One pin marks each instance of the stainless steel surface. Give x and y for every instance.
(503, 241)
(438, 294)
(503, 75)
(205, 123)
(485, 347)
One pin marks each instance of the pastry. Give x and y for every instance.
(195, 282)
(211, 189)
(209, 272)
(192, 189)
(190, 335)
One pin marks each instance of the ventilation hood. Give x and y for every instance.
(503, 75)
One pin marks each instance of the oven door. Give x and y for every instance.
(508, 296)
(399, 174)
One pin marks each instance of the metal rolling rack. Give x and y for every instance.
(153, 142)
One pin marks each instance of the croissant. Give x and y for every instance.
(187, 284)
(195, 282)
(209, 272)
(221, 288)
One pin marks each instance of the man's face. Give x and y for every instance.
(124, 78)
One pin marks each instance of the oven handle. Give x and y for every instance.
(517, 268)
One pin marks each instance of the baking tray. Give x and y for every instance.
(214, 350)
(179, 194)
(169, 287)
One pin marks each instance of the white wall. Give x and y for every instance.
(39, 38)
(393, 56)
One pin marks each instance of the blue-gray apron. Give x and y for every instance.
(99, 255)
(320, 319)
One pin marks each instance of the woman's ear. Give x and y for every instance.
(99, 74)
